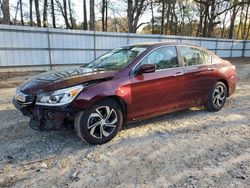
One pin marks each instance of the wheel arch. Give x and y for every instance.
(121, 103)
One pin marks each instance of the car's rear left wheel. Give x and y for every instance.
(100, 123)
(217, 97)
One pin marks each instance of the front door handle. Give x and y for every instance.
(178, 74)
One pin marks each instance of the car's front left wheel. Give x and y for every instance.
(100, 123)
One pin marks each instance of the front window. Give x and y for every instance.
(117, 59)
(163, 58)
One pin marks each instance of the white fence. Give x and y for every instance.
(32, 48)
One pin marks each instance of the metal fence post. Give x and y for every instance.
(49, 49)
(216, 46)
(94, 35)
(231, 49)
(127, 38)
(160, 38)
(244, 48)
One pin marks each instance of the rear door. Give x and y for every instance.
(198, 74)
(161, 90)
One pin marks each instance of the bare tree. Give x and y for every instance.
(152, 17)
(6, 11)
(45, 13)
(135, 10)
(53, 14)
(85, 19)
(162, 16)
(62, 8)
(38, 17)
(71, 18)
(31, 13)
(92, 15)
(245, 30)
(17, 8)
(104, 11)
(234, 11)
(21, 12)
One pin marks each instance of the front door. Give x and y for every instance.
(159, 91)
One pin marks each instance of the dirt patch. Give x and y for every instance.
(192, 148)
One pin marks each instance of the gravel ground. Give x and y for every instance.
(192, 148)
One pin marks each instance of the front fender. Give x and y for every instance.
(99, 91)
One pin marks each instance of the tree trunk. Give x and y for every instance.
(92, 15)
(53, 14)
(205, 26)
(85, 20)
(245, 30)
(162, 18)
(31, 14)
(224, 25)
(152, 18)
(21, 12)
(66, 14)
(45, 13)
(168, 18)
(72, 21)
(6, 11)
(130, 16)
(232, 20)
(38, 18)
(211, 19)
(106, 15)
(199, 29)
(240, 23)
(17, 8)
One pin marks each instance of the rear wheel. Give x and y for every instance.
(100, 123)
(217, 97)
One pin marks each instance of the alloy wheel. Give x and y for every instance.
(219, 96)
(102, 122)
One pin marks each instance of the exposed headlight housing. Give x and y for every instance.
(59, 97)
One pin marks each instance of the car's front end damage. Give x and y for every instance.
(47, 98)
(50, 115)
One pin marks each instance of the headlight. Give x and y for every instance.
(59, 97)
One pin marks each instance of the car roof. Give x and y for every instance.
(158, 44)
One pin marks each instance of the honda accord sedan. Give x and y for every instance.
(126, 84)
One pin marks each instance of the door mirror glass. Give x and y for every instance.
(147, 68)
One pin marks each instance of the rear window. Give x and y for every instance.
(195, 56)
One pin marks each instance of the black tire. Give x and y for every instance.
(96, 116)
(217, 97)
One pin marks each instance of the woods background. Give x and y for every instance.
(200, 18)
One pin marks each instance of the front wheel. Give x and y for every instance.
(100, 123)
(217, 97)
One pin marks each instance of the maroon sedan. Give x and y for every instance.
(127, 84)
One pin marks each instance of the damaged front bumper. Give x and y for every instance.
(44, 117)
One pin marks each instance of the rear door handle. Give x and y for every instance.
(178, 74)
(211, 68)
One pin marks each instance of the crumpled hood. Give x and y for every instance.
(54, 80)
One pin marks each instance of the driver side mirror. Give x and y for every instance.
(147, 68)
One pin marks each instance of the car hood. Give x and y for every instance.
(55, 80)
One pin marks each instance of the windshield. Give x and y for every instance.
(117, 59)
